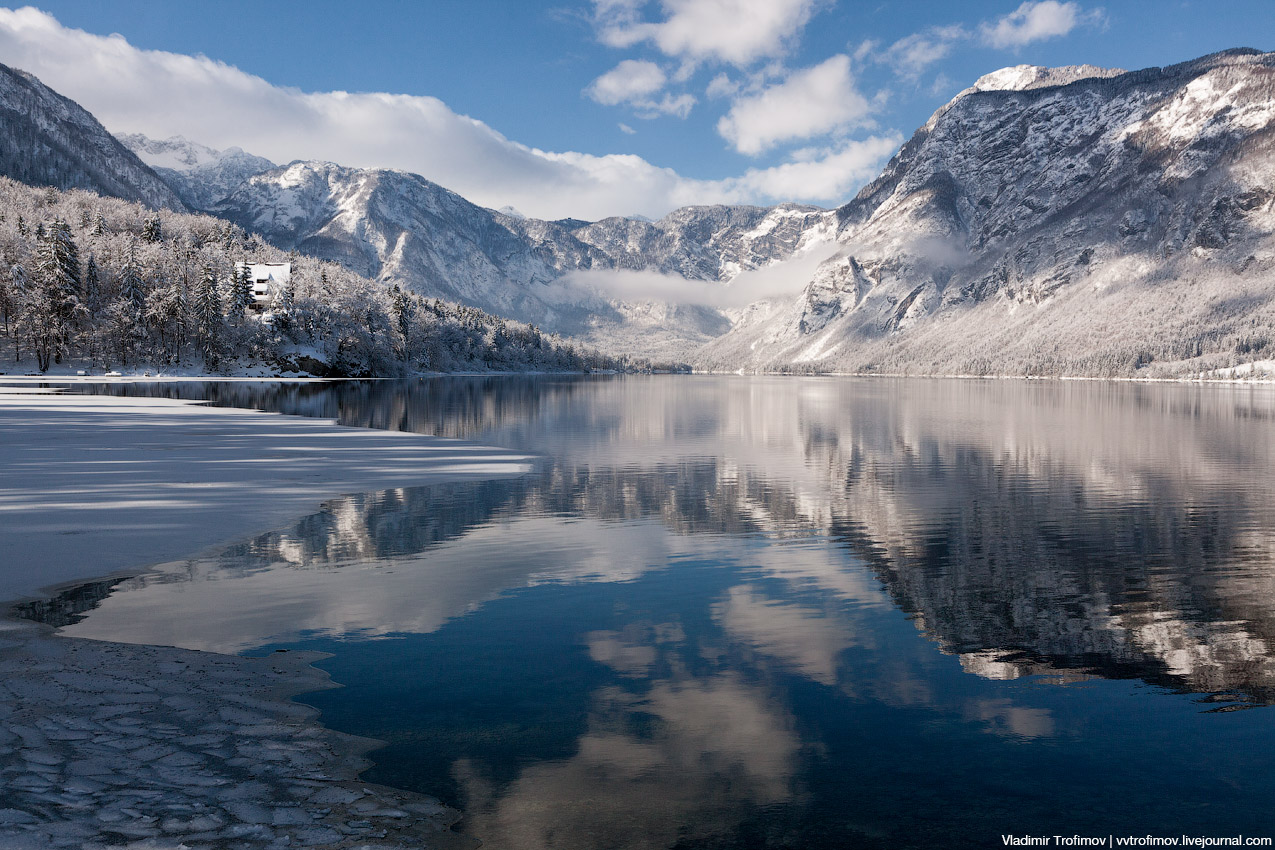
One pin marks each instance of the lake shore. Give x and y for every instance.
(103, 742)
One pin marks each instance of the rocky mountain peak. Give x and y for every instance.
(1044, 222)
(200, 175)
(1026, 77)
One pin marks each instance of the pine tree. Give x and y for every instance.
(20, 280)
(239, 295)
(99, 224)
(207, 314)
(402, 308)
(246, 299)
(92, 285)
(285, 303)
(67, 255)
(152, 231)
(132, 289)
(15, 304)
(44, 313)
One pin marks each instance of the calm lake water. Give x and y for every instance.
(782, 612)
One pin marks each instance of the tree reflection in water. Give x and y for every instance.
(713, 606)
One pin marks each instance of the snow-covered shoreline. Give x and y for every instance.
(1219, 377)
(102, 742)
(91, 485)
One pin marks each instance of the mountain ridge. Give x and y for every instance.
(1045, 230)
(199, 175)
(403, 228)
(1073, 220)
(47, 139)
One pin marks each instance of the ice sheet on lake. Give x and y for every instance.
(90, 485)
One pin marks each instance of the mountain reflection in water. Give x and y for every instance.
(710, 614)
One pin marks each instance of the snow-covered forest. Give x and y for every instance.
(113, 284)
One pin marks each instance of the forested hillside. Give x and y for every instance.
(109, 283)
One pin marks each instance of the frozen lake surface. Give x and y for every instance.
(780, 612)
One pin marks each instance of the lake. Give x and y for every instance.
(736, 612)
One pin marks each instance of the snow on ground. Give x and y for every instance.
(104, 744)
(91, 485)
(1254, 369)
(25, 372)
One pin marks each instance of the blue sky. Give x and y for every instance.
(584, 107)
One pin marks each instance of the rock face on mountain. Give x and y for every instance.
(48, 140)
(402, 228)
(198, 174)
(1053, 221)
(1049, 221)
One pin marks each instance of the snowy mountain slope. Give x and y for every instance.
(1075, 220)
(48, 140)
(200, 175)
(403, 228)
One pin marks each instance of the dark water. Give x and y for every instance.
(800, 613)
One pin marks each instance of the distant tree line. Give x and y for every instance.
(111, 283)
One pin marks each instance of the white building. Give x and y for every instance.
(268, 280)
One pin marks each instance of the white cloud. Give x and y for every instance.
(811, 102)
(910, 56)
(820, 177)
(679, 105)
(631, 80)
(634, 82)
(626, 129)
(737, 32)
(219, 105)
(721, 86)
(866, 48)
(1036, 21)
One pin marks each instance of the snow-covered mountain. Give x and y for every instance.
(403, 228)
(199, 175)
(48, 140)
(1074, 220)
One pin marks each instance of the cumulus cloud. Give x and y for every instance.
(835, 171)
(634, 83)
(629, 81)
(910, 56)
(219, 105)
(810, 103)
(1037, 21)
(737, 32)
